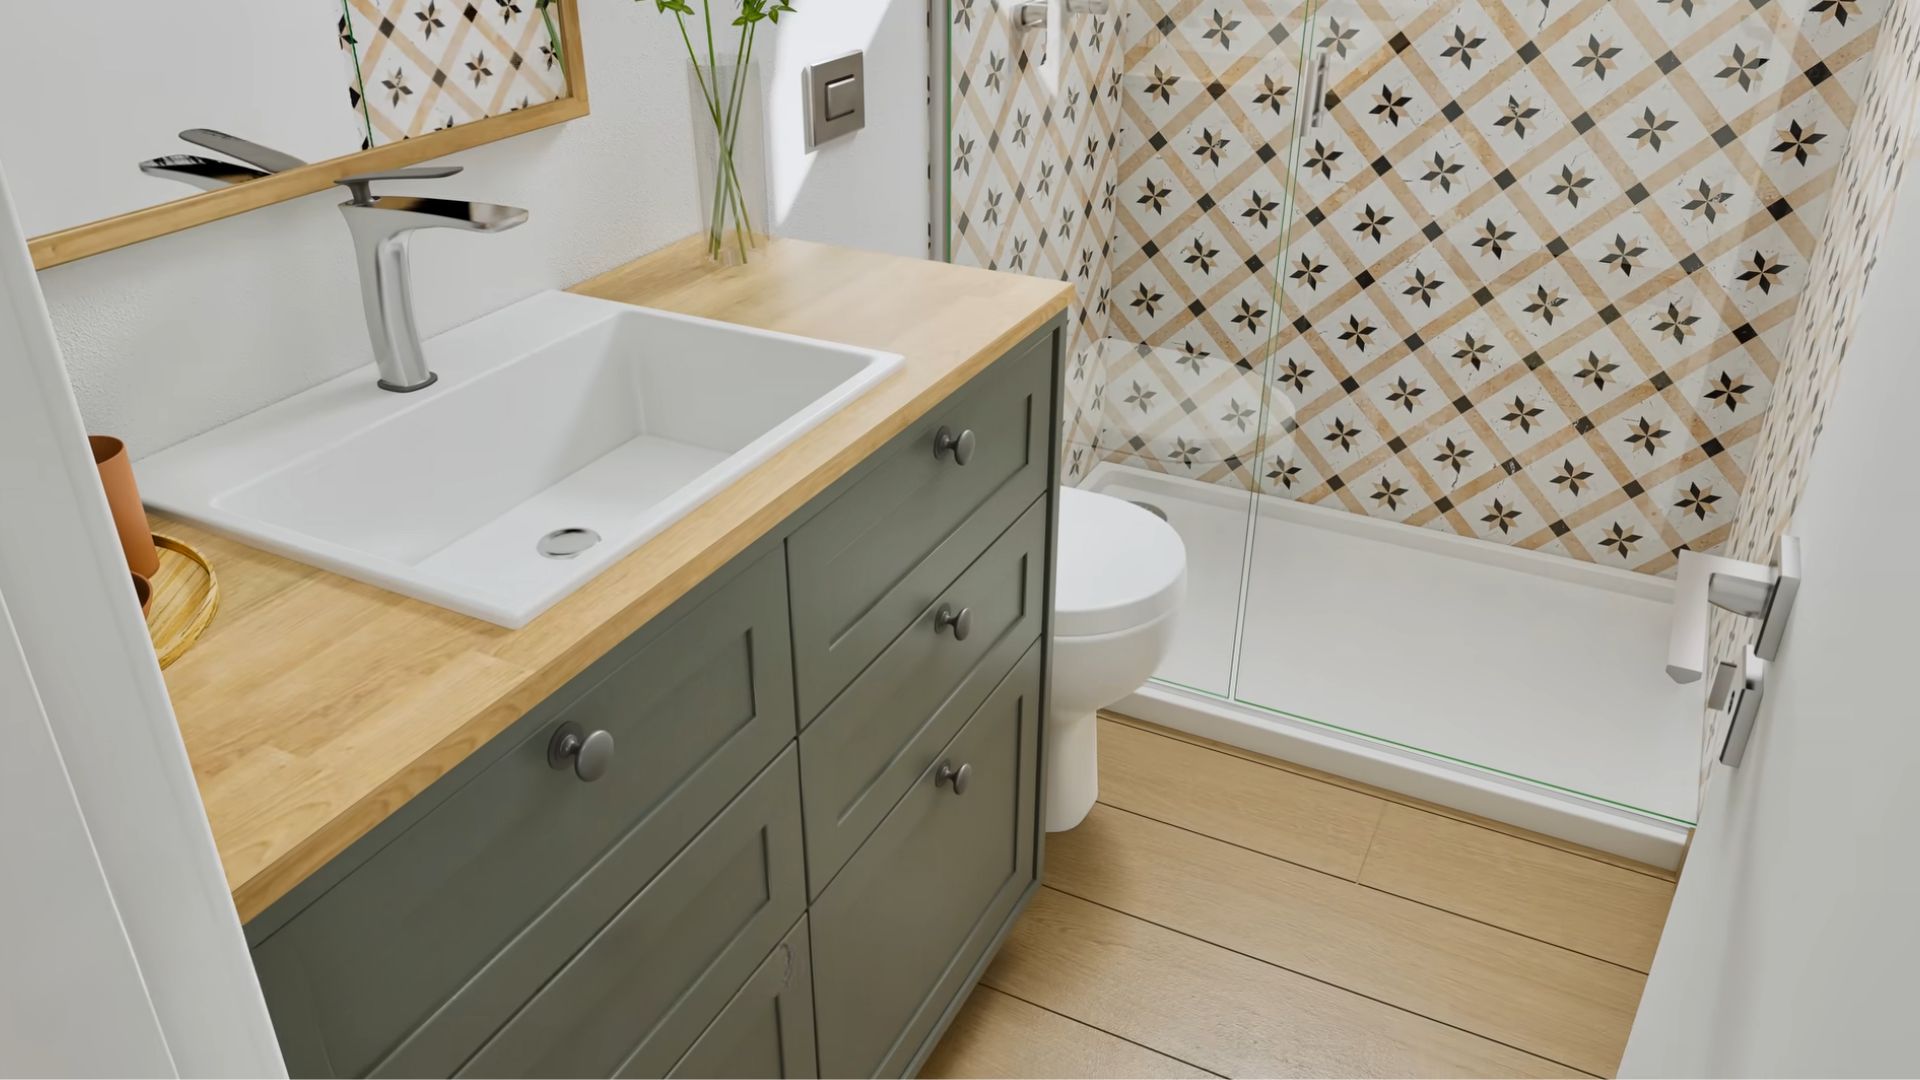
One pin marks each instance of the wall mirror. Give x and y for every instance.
(134, 120)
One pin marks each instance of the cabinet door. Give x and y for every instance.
(898, 934)
(416, 957)
(767, 1029)
(870, 560)
(646, 986)
(867, 749)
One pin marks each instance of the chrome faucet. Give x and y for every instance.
(212, 174)
(381, 226)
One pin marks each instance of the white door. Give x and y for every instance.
(1793, 947)
(71, 998)
(120, 950)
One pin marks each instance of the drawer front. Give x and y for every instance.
(876, 739)
(767, 1029)
(644, 988)
(897, 935)
(868, 563)
(484, 895)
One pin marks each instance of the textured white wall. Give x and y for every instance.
(171, 337)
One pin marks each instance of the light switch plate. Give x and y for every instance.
(836, 98)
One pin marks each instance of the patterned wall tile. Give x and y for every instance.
(1032, 177)
(1615, 331)
(1532, 278)
(416, 66)
(1866, 177)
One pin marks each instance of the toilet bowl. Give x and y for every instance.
(1121, 572)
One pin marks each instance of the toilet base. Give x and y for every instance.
(1073, 768)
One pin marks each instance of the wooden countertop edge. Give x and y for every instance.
(754, 514)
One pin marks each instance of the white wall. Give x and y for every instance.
(182, 61)
(168, 338)
(1792, 948)
(100, 697)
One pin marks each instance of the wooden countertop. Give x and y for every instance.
(315, 706)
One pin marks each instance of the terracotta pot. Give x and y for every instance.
(123, 498)
(143, 589)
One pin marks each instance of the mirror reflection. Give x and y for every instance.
(232, 91)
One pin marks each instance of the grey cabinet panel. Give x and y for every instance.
(868, 748)
(900, 931)
(872, 559)
(767, 1029)
(644, 988)
(491, 891)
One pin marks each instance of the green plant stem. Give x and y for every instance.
(731, 134)
(708, 94)
(729, 199)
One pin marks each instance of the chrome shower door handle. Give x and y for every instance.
(1322, 74)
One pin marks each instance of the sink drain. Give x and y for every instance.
(566, 543)
(1150, 508)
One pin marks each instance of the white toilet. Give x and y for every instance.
(1121, 573)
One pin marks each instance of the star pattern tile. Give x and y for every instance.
(418, 66)
(1547, 255)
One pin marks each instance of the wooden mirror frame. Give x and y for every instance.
(94, 237)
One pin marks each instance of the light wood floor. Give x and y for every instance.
(1223, 913)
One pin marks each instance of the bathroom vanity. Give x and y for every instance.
(760, 800)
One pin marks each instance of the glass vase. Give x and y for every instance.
(730, 151)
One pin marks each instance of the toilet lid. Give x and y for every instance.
(1119, 566)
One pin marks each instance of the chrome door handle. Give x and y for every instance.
(1321, 73)
(1746, 692)
(958, 779)
(960, 622)
(960, 446)
(589, 755)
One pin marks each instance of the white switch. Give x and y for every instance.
(843, 97)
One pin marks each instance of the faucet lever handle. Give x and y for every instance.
(362, 184)
(263, 157)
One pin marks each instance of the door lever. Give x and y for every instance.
(1322, 69)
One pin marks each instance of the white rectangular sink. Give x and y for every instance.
(561, 412)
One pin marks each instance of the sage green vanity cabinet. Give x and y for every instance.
(638, 994)
(817, 815)
(870, 560)
(899, 930)
(442, 933)
(767, 1029)
(867, 748)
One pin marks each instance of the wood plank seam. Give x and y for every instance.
(1385, 794)
(1310, 976)
(1374, 888)
(1096, 1027)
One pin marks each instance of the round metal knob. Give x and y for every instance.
(960, 622)
(960, 446)
(589, 755)
(948, 776)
